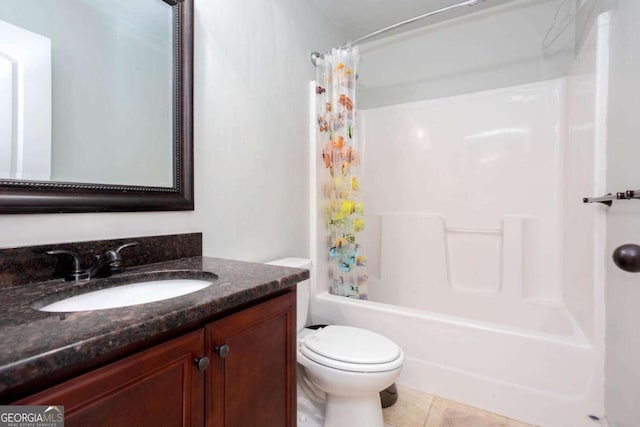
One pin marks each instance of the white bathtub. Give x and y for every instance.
(537, 377)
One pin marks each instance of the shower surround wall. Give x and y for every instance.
(484, 264)
(468, 203)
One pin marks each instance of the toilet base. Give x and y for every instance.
(360, 411)
(307, 419)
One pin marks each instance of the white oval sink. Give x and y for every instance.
(128, 295)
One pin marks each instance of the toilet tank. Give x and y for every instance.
(303, 288)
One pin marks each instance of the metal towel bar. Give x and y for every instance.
(608, 199)
(632, 194)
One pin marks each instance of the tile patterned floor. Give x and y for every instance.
(417, 409)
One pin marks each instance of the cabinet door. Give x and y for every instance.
(157, 387)
(251, 382)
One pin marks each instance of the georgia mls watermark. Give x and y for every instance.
(32, 416)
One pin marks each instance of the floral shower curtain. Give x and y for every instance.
(337, 136)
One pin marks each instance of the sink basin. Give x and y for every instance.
(128, 295)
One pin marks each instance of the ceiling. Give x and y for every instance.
(359, 17)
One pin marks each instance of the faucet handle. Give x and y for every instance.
(77, 273)
(126, 245)
(116, 264)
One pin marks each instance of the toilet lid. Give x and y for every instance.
(351, 345)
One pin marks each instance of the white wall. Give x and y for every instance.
(251, 139)
(27, 230)
(252, 118)
(493, 48)
(623, 289)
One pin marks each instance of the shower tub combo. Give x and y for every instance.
(483, 263)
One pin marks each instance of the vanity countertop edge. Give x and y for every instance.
(36, 344)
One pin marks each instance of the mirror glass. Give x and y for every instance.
(87, 91)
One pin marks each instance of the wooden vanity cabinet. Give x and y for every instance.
(250, 380)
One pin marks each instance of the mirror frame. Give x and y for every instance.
(47, 197)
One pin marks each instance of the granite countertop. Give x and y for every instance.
(36, 344)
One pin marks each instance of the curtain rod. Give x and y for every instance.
(316, 55)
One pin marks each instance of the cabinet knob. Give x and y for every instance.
(201, 363)
(222, 350)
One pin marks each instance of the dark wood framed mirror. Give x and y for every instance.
(19, 195)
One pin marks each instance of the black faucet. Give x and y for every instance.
(104, 265)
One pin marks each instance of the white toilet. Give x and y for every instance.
(346, 366)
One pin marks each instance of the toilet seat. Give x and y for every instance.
(351, 349)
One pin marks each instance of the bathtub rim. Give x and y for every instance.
(577, 339)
